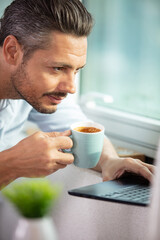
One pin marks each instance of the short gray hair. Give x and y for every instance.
(31, 21)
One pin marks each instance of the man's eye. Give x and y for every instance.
(57, 69)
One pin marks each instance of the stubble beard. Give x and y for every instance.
(19, 80)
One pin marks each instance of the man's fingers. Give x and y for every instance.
(116, 167)
(63, 142)
(67, 133)
(57, 134)
(149, 166)
(60, 166)
(140, 168)
(145, 172)
(65, 158)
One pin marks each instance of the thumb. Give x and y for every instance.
(57, 134)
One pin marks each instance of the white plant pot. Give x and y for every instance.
(35, 229)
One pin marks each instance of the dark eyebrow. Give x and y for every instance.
(61, 64)
(81, 67)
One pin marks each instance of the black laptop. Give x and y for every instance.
(130, 189)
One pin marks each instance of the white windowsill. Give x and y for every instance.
(127, 130)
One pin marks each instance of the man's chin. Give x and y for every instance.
(47, 110)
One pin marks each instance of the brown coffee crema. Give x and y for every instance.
(87, 129)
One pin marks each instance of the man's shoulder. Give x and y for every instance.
(14, 107)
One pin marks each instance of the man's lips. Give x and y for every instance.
(54, 99)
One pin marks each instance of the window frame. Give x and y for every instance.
(126, 130)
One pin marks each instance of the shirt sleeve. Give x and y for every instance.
(67, 113)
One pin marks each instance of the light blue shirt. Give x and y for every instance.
(15, 113)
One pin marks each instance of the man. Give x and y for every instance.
(43, 44)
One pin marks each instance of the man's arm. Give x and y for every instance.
(112, 166)
(38, 155)
(6, 176)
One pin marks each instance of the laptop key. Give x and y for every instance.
(131, 193)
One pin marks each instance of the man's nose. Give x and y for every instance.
(68, 85)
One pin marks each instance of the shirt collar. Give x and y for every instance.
(3, 103)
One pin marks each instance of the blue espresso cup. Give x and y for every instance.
(87, 146)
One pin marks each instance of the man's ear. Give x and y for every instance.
(12, 50)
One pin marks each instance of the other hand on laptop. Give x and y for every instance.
(112, 166)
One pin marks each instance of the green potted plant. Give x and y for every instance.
(33, 199)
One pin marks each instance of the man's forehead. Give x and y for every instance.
(64, 50)
(68, 42)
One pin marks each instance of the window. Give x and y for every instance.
(3, 5)
(120, 85)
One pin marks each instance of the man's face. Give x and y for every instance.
(46, 78)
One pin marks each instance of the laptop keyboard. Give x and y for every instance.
(132, 193)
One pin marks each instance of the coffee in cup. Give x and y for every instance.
(87, 129)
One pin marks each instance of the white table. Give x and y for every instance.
(80, 218)
(85, 219)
